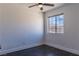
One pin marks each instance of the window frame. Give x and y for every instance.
(55, 24)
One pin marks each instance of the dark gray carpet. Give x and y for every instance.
(42, 50)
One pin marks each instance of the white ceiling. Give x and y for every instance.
(35, 8)
(46, 8)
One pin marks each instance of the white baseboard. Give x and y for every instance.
(64, 48)
(18, 48)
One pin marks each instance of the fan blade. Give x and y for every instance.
(47, 4)
(33, 5)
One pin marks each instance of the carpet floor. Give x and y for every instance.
(42, 50)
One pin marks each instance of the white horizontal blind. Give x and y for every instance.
(56, 24)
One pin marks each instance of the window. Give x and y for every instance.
(56, 24)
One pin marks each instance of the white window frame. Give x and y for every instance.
(48, 25)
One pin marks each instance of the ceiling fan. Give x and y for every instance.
(41, 5)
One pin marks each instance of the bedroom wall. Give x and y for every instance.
(20, 26)
(70, 39)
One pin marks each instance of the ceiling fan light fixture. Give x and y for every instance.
(40, 5)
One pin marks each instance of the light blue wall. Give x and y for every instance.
(20, 26)
(70, 38)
